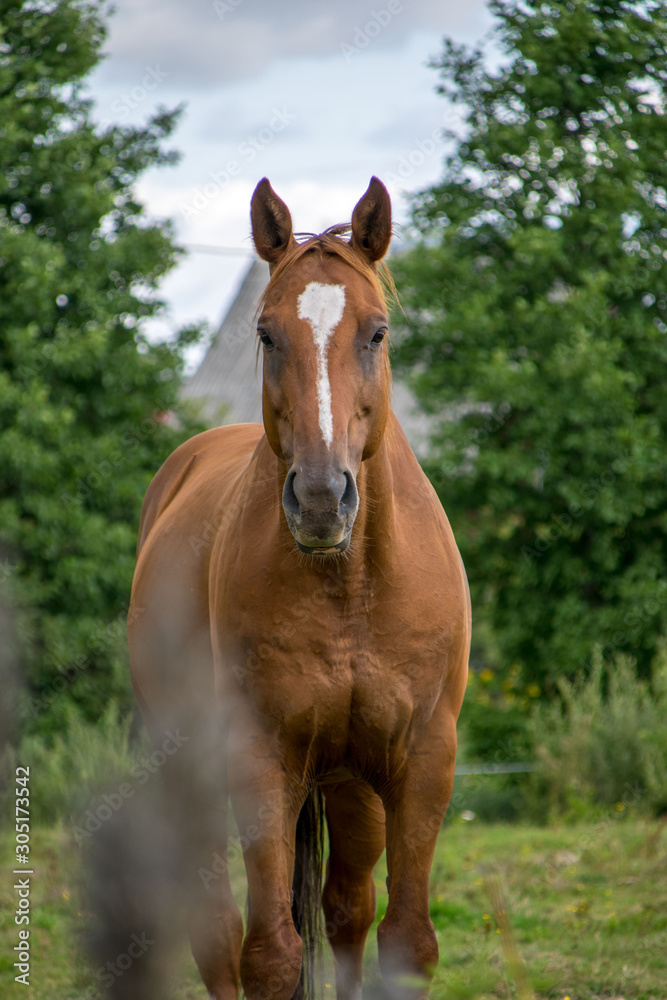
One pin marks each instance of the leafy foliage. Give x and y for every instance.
(83, 395)
(606, 744)
(69, 770)
(536, 304)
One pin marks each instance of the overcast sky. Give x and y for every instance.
(317, 95)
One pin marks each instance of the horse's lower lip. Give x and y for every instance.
(324, 549)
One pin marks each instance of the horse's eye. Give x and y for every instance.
(378, 337)
(265, 339)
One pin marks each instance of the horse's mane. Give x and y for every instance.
(331, 242)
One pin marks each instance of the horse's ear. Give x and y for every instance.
(371, 222)
(271, 223)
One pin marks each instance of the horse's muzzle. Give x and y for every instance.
(320, 509)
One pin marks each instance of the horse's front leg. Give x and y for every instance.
(266, 805)
(415, 808)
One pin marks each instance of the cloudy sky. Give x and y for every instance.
(317, 95)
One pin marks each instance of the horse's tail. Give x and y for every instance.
(307, 889)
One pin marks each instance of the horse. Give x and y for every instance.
(300, 615)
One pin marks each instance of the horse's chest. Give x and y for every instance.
(338, 683)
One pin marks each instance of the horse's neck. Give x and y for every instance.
(376, 482)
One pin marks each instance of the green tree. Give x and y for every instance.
(83, 394)
(535, 295)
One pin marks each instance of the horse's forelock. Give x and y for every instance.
(331, 241)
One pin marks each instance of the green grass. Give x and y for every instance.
(587, 906)
(586, 914)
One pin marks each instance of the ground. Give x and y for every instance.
(576, 912)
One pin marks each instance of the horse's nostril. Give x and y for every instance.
(350, 497)
(290, 500)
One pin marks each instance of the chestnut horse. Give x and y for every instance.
(300, 611)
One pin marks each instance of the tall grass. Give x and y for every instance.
(66, 771)
(605, 744)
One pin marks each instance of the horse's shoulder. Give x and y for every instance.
(194, 464)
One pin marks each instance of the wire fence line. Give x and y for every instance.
(219, 251)
(510, 768)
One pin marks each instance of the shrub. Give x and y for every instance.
(605, 743)
(68, 770)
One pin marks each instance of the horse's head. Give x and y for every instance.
(326, 374)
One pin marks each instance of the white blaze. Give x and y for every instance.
(322, 306)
